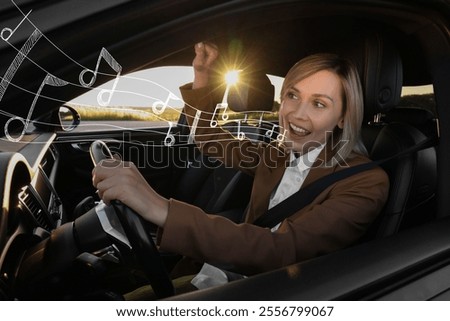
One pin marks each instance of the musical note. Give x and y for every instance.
(240, 134)
(170, 139)
(269, 132)
(281, 137)
(48, 80)
(260, 119)
(159, 106)
(20, 57)
(114, 65)
(194, 127)
(11, 32)
(220, 106)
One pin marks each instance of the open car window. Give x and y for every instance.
(146, 98)
(149, 98)
(419, 96)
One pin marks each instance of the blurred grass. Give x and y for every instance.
(91, 113)
(98, 113)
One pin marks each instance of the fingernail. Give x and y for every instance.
(200, 44)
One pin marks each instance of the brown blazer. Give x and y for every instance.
(337, 218)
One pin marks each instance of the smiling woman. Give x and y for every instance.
(321, 96)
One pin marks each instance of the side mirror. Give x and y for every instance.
(69, 118)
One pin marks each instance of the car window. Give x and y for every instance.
(418, 96)
(277, 82)
(147, 98)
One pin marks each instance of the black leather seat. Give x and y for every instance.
(387, 131)
(413, 178)
(216, 189)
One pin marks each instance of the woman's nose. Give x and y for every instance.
(301, 111)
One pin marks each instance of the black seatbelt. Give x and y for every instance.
(306, 195)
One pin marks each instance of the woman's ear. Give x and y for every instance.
(341, 123)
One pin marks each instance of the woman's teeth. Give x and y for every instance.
(299, 130)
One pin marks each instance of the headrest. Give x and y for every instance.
(381, 76)
(253, 92)
(380, 69)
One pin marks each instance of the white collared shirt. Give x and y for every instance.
(293, 177)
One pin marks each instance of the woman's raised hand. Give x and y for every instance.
(205, 56)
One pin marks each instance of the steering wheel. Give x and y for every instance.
(136, 229)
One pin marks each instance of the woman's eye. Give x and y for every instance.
(319, 104)
(291, 95)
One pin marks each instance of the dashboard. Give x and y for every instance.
(31, 208)
(40, 201)
(31, 183)
(39, 247)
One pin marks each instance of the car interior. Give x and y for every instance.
(404, 135)
(389, 130)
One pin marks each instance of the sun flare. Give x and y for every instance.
(232, 77)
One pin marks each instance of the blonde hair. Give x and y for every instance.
(348, 138)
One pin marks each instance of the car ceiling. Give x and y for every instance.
(268, 35)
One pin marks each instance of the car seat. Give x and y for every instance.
(387, 131)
